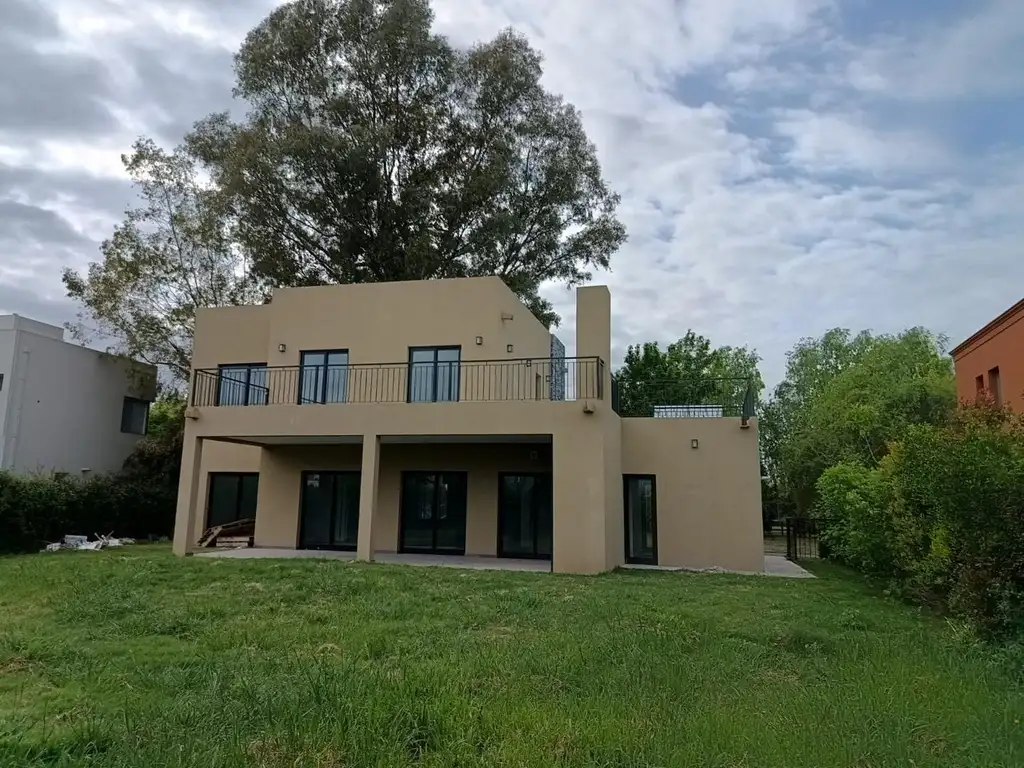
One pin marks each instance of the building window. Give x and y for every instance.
(434, 374)
(979, 387)
(232, 497)
(323, 377)
(640, 505)
(242, 384)
(995, 390)
(134, 416)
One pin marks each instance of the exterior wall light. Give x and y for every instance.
(508, 347)
(694, 443)
(479, 340)
(282, 347)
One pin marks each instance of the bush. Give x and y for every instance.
(856, 524)
(942, 516)
(139, 501)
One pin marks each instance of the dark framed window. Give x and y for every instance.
(134, 416)
(640, 507)
(995, 388)
(232, 497)
(242, 384)
(434, 374)
(323, 376)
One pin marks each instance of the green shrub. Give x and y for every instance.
(856, 523)
(139, 501)
(942, 517)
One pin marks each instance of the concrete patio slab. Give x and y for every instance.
(774, 565)
(390, 558)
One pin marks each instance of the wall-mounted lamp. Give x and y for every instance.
(282, 347)
(509, 347)
(479, 340)
(694, 443)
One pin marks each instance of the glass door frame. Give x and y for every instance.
(453, 367)
(653, 559)
(533, 511)
(433, 550)
(334, 508)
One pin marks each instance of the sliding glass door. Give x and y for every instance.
(330, 510)
(433, 513)
(524, 515)
(640, 502)
(232, 497)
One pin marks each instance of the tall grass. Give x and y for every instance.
(135, 658)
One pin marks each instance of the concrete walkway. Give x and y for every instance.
(774, 565)
(391, 558)
(777, 565)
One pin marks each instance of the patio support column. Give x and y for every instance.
(368, 484)
(188, 495)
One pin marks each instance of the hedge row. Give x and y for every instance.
(941, 518)
(138, 501)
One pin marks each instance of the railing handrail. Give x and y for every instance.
(403, 363)
(508, 379)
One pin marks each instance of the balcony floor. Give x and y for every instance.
(390, 558)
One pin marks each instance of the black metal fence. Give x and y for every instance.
(802, 538)
(452, 381)
(690, 398)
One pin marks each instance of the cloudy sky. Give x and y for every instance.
(785, 166)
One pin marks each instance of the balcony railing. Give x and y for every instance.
(457, 381)
(688, 398)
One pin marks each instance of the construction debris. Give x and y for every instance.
(238, 533)
(82, 543)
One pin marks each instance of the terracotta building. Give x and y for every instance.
(442, 417)
(991, 362)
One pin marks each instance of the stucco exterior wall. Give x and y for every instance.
(376, 323)
(998, 345)
(709, 497)
(280, 467)
(63, 402)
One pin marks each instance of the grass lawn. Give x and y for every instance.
(135, 658)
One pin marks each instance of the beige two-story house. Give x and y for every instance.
(442, 417)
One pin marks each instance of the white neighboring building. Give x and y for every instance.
(66, 408)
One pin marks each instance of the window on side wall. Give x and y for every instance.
(994, 387)
(242, 384)
(134, 416)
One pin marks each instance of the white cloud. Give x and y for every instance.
(768, 189)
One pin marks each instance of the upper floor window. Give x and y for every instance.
(134, 416)
(323, 377)
(995, 389)
(434, 374)
(242, 384)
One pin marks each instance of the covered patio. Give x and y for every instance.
(473, 562)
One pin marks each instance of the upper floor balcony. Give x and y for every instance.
(434, 375)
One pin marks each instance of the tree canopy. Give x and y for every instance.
(171, 254)
(846, 398)
(375, 150)
(688, 372)
(371, 150)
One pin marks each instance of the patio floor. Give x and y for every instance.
(774, 565)
(391, 558)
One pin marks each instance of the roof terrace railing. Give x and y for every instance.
(687, 398)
